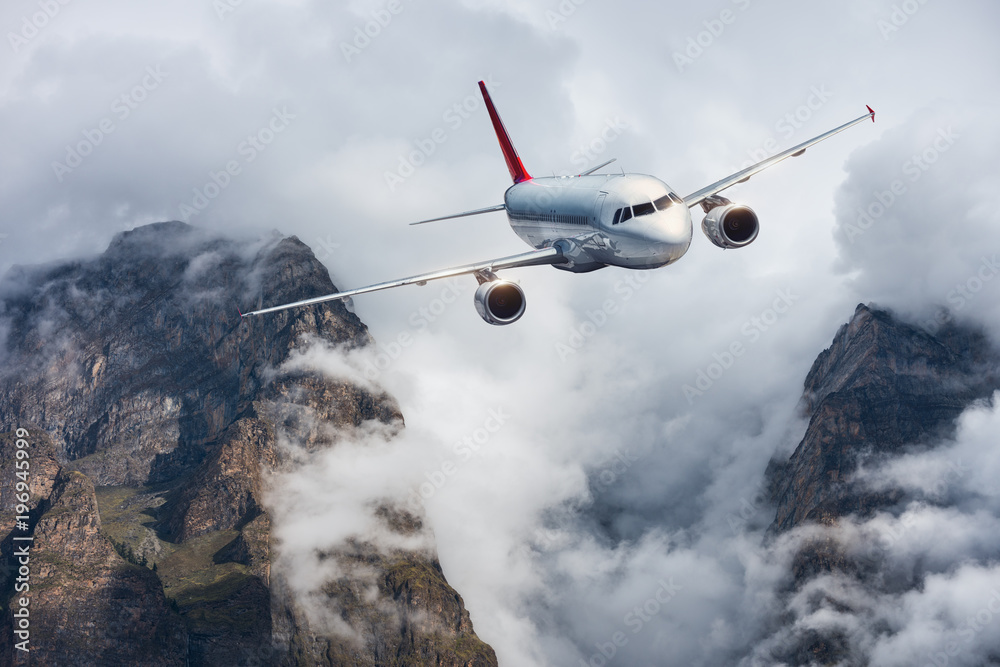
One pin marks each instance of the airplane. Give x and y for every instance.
(589, 221)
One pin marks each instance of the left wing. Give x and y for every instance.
(696, 198)
(534, 258)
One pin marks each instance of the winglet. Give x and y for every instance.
(514, 164)
(872, 112)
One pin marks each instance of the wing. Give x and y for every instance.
(533, 258)
(696, 198)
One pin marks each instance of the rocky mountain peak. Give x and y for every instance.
(154, 412)
(876, 349)
(882, 385)
(883, 389)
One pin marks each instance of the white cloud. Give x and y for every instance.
(549, 559)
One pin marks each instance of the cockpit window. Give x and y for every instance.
(667, 201)
(663, 203)
(643, 209)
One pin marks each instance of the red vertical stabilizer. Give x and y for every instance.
(517, 170)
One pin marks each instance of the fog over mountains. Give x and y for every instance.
(160, 429)
(607, 487)
(245, 493)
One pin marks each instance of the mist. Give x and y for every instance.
(581, 498)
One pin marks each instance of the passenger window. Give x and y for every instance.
(626, 213)
(643, 209)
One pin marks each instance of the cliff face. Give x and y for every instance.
(883, 389)
(881, 386)
(153, 412)
(89, 596)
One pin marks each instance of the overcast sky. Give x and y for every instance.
(606, 480)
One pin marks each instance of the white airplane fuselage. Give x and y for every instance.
(586, 222)
(588, 211)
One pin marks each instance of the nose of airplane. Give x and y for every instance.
(671, 227)
(667, 234)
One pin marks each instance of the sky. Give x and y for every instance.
(597, 483)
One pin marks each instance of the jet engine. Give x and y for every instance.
(500, 302)
(729, 225)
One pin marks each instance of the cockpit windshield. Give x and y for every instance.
(645, 208)
(664, 202)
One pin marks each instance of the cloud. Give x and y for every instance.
(923, 187)
(927, 585)
(604, 478)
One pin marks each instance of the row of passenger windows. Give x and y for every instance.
(550, 217)
(645, 208)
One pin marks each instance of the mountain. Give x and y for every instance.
(152, 416)
(883, 389)
(152, 419)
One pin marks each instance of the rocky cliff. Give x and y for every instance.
(883, 388)
(153, 415)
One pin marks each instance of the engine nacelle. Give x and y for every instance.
(500, 302)
(731, 225)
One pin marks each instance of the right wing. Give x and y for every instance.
(533, 258)
(696, 198)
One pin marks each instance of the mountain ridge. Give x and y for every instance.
(153, 412)
(882, 390)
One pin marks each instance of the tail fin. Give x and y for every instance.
(517, 170)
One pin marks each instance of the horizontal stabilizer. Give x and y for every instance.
(600, 166)
(490, 209)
